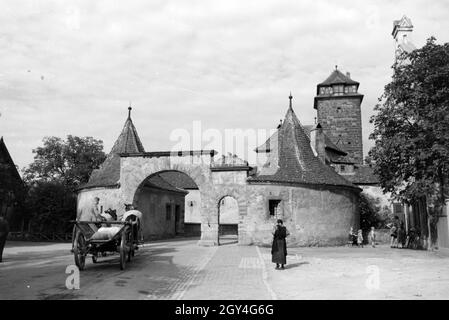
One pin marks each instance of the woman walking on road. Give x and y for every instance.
(279, 246)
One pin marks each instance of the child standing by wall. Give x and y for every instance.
(360, 238)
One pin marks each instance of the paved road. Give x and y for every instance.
(180, 269)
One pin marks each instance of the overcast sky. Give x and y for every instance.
(71, 67)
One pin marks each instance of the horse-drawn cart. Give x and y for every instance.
(103, 237)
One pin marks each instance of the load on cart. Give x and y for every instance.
(99, 238)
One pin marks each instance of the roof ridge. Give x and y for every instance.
(292, 159)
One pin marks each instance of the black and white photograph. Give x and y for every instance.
(232, 151)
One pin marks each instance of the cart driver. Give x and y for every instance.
(92, 213)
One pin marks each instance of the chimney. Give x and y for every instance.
(348, 75)
(317, 142)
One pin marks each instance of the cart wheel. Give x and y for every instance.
(123, 251)
(79, 247)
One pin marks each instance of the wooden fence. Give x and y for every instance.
(52, 237)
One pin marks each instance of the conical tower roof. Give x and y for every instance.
(108, 175)
(292, 161)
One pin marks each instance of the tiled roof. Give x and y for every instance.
(307, 129)
(364, 174)
(178, 179)
(292, 160)
(327, 141)
(108, 174)
(337, 77)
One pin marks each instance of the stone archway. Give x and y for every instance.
(162, 199)
(239, 195)
(134, 169)
(228, 220)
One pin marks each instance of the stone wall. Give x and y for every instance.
(193, 207)
(314, 216)
(341, 119)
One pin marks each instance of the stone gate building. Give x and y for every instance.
(186, 192)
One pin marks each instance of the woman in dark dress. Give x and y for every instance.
(279, 246)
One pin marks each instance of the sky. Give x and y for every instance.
(73, 67)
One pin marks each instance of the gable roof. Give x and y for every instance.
(108, 175)
(265, 147)
(337, 77)
(9, 176)
(292, 160)
(403, 23)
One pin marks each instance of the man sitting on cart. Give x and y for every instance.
(91, 213)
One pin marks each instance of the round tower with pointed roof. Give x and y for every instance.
(338, 105)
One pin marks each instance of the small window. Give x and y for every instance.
(274, 207)
(168, 211)
(338, 109)
(342, 168)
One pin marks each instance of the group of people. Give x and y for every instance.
(356, 239)
(398, 234)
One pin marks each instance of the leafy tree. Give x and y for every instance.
(411, 152)
(51, 205)
(70, 162)
(372, 213)
(59, 167)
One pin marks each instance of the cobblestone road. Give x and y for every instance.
(180, 269)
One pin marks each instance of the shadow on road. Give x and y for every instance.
(294, 265)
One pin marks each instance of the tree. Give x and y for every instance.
(70, 162)
(372, 213)
(59, 167)
(411, 152)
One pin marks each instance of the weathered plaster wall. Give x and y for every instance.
(313, 216)
(193, 207)
(152, 203)
(109, 198)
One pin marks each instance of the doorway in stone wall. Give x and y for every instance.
(228, 220)
(169, 201)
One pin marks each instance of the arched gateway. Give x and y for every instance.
(137, 167)
(317, 205)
